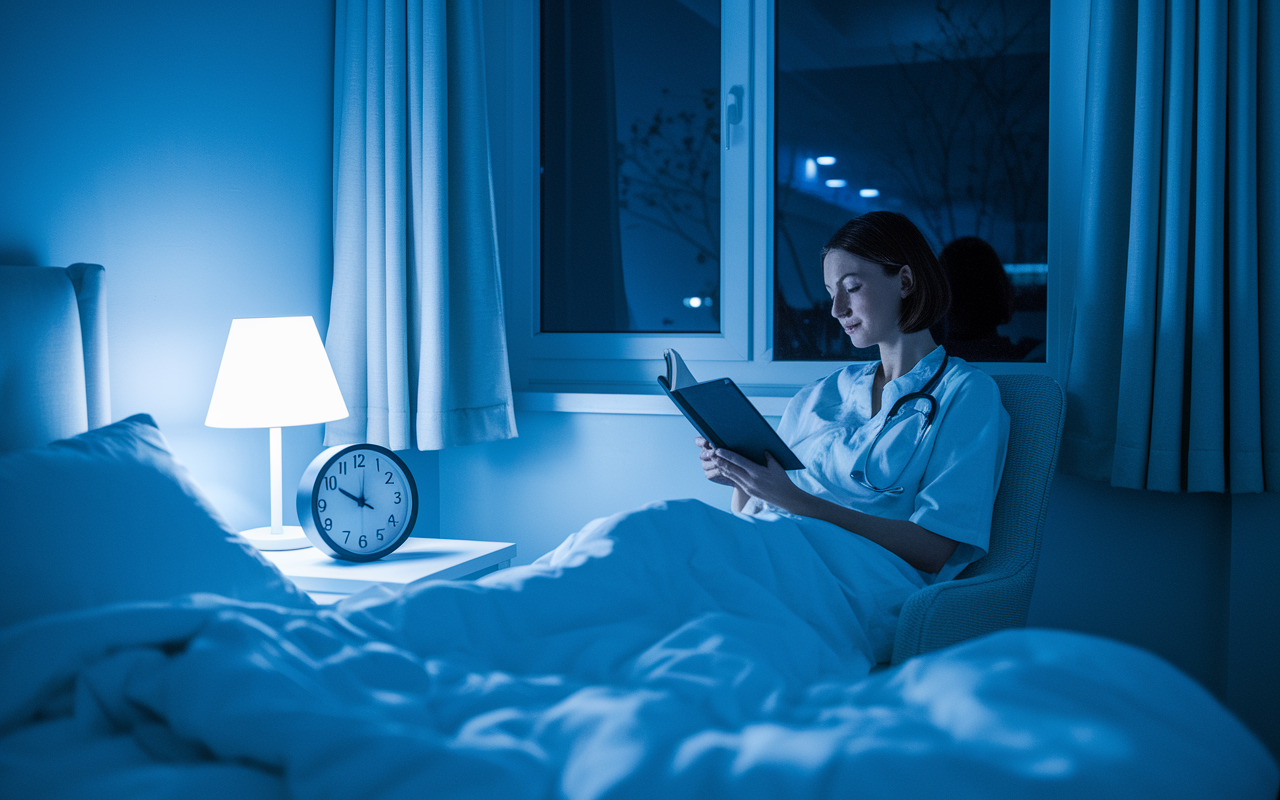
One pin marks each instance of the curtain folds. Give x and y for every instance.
(1174, 369)
(416, 333)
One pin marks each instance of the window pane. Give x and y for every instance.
(938, 110)
(630, 166)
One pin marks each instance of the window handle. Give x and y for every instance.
(732, 112)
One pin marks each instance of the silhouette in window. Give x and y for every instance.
(981, 301)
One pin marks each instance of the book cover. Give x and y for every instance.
(723, 415)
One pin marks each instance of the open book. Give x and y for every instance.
(723, 414)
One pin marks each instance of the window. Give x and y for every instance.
(617, 248)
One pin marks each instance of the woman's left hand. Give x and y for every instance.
(770, 483)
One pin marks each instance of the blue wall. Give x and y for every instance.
(1253, 641)
(565, 470)
(186, 147)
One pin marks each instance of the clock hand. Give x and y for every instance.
(359, 500)
(362, 503)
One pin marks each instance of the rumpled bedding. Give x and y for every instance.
(657, 654)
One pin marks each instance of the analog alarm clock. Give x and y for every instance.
(357, 502)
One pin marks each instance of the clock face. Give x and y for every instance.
(357, 502)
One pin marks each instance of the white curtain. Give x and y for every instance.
(416, 333)
(1174, 379)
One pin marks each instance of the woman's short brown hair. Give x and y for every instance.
(893, 241)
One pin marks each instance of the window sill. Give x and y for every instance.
(636, 398)
(597, 403)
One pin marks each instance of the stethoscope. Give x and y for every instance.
(925, 394)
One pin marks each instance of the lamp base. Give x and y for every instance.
(262, 538)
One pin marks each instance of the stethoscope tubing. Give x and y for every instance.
(925, 393)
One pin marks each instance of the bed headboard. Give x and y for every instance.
(54, 381)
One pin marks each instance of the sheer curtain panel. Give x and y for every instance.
(1174, 375)
(416, 333)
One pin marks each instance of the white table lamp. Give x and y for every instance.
(274, 373)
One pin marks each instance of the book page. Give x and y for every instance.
(678, 375)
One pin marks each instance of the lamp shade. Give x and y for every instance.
(274, 373)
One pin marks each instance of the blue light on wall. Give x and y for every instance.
(187, 148)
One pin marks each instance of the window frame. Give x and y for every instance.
(627, 363)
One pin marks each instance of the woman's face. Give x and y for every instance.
(864, 300)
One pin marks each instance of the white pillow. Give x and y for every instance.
(110, 516)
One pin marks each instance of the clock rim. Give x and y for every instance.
(307, 513)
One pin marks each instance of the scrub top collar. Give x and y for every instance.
(913, 381)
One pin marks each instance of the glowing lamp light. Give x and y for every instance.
(837, 183)
(869, 192)
(810, 169)
(825, 161)
(274, 373)
(697, 302)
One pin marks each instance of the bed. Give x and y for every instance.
(163, 657)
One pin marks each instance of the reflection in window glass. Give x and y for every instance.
(937, 109)
(630, 166)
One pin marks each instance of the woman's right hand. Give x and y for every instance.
(710, 466)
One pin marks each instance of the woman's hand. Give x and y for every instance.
(710, 466)
(769, 483)
(919, 547)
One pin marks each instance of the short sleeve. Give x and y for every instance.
(958, 490)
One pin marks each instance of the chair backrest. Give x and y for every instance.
(994, 592)
(53, 354)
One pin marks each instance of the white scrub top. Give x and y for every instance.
(949, 480)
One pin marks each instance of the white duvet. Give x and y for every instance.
(657, 654)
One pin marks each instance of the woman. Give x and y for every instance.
(922, 490)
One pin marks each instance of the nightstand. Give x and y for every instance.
(328, 580)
